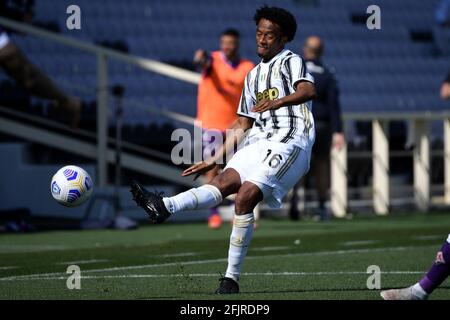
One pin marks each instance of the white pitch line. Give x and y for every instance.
(182, 254)
(358, 243)
(197, 262)
(8, 268)
(23, 248)
(271, 248)
(429, 237)
(168, 264)
(82, 261)
(181, 275)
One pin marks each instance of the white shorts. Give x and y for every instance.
(448, 239)
(274, 167)
(4, 39)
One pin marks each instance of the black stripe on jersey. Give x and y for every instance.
(300, 72)
(292, 126)
(292, 117)
(272, 112)
(258, 70)
(256, 85)
(302, 69)
(287, 91)
(259, 125)
(248, 87)
(243, 105)
(287, 65)
(290, 160)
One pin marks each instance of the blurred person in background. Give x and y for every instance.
(18, 67)
(445, 95)
(219, 91)
(327, 116)
(445, 88)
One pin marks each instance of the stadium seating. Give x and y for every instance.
(378, 70)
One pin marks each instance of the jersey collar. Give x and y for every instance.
(280, 54)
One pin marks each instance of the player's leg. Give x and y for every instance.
(211, 142)
(320, 166)
(437, 274)
(248, 196)
(207, 196)
(294, 211)
(279, 167)
(204, 197)
(18, 67)
(320, 170)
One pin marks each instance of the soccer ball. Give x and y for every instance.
(71, 186)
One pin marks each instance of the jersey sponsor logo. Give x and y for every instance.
(270, 94)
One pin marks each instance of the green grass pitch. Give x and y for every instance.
(286, 260)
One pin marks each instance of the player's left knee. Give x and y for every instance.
(247, 198)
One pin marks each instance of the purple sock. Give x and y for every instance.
(213, 211)
(439, 271)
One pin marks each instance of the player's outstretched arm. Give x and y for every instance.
(304, 92)
(239, 128)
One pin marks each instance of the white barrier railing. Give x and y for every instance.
(380, 161)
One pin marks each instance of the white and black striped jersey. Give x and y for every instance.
(273, 80)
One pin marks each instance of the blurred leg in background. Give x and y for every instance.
(319, 171)
(321, 174)
(295, 212)
(18, 67)
(320, 167)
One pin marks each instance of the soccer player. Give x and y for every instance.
(437, 274)
(219, 90)
(275, 117)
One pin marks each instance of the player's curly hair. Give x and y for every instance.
(281, 17)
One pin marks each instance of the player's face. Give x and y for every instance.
(229, 45)
(269, 41)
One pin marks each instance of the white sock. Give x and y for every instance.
(204, 197)
(418, 291)
(239, 241)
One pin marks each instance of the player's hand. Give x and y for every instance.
(266, 104)
(200, 57)
(198, 169)
(338, 140)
